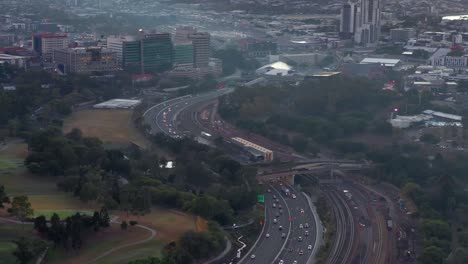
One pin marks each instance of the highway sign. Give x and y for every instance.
(261, 198)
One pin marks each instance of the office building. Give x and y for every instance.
(402, 34)
(183, 54)
(46, 43)
(182, 34)
(85, 60)
(348, 19)
(367, 25)
(201, 48)
(156, 52)
(119, 44)
(131, 56)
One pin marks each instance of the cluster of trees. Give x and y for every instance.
(190, 248)
(41, 99)
(322, 110)
(205, 181)
(70, 231)
(437, 186)
(233, 59)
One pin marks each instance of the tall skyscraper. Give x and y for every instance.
(367, 16)
(201, 49)
(348, 19)
(156, 51)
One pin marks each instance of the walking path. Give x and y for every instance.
(112, 250)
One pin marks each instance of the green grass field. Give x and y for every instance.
(61, 213)
(46, 199)
(152, 248)
(6, 165)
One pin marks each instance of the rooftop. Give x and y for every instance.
(118, 104)
(384, 61)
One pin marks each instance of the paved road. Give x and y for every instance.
(298, 218)
(163, 116)
(275, 248)
(266, 249)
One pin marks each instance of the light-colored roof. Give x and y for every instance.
(278, 72)
(443, 115)
(277, 65)
(118, 103)
(384, 61)
(252, 145)
(440, 53)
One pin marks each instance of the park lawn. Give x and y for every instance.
(63, 214)
(150, 249)
(6, 164)
(95, 244)
(170, 224)
(111, 126)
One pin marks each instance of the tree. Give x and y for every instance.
(432, 255)
(124, 225)
(21, 208)
(104, 217)
(3, 196)
(430, 138)
(40, 224)
(56, 229)
(27, 249)
(96, 220)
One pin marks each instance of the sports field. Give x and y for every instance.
(111, 126)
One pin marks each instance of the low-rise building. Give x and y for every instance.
(85, 60)
(402, 34)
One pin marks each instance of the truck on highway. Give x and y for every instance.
(205, 134)
(389, 224)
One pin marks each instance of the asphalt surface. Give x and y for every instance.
(298, 218)
(275, 248)
(162, 117)
(266, 248)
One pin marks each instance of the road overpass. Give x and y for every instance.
(289, 175)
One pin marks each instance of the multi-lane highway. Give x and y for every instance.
(303, 236)
(295, 241)
(162, 118)
(180, 117)
(271, 240)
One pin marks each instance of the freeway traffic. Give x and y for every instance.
(303, 233)
(271, 240)
(294, 243)
(162, 118)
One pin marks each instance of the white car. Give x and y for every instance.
(302, 211)
(301, 226)
(293, 196)
(281, 261)
(306, 225)
(252, 257)
(309, 247)
(267, 235)
(295, 262)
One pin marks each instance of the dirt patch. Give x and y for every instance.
(111, 126)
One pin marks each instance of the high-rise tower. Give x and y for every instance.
(367, 29)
